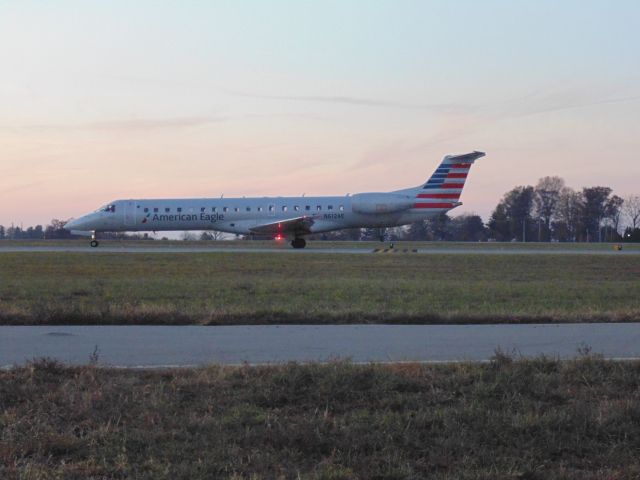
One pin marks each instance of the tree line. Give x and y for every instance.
(548, 211)
(552, 211)
(54, 230)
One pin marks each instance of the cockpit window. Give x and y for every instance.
(108, 208)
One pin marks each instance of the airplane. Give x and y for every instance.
(285, 217)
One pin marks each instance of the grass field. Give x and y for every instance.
(507, 419)
(255, 288)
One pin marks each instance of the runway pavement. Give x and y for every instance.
(159, 346)
(398, 250)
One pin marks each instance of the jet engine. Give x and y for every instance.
(369, 203)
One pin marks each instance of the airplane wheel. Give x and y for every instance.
(94, 243)
(298, 243)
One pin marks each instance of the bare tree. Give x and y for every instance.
(56, 229)
(211, 235)
(545, 200)
(568, 212)
(631, 209)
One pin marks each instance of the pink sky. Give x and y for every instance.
(98, 105)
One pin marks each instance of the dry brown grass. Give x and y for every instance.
(508, 419)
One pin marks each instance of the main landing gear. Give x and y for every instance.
(94, 243)
(298, 243)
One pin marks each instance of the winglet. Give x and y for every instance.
(464, 158)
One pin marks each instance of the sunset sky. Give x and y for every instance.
(121, 99)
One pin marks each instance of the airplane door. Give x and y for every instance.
(129, 213)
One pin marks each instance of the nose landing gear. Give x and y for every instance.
(94, 243)
(298, 243)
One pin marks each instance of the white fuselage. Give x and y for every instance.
(240, 215)
(292, 217)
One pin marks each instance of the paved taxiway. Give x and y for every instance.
(157, 346)
(354, 250)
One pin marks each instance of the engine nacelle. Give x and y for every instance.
(369, 203)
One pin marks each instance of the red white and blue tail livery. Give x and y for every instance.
(445, 186)
(291, 217)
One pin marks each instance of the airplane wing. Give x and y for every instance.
(298, 225)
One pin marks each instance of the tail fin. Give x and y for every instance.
(444, 187)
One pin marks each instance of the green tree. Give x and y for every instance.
(417, 231)
(499, 224)
(512, 217)
(613, 212)
(438, 227)
(467, 228)
(595, 201)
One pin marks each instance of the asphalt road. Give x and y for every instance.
(354, 250)
(159, 346)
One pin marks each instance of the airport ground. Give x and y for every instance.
(506, 419)
(510, 418)
(230, 288)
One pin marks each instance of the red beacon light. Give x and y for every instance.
(279, 237)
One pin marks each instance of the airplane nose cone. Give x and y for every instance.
(80, 224)
(71, 225)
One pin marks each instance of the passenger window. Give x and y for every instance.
(271, 207)
(307, 207)
(248, 209)
(319, 207)
(330, 207)
(284, 208)
(167, 209)
(155, 210)
(202, 209)
(146, 209)
(341, 208)
(259, 209)
(225, 209)
(296, 208)
(179, 209)
(213, 209)
(236, 209)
